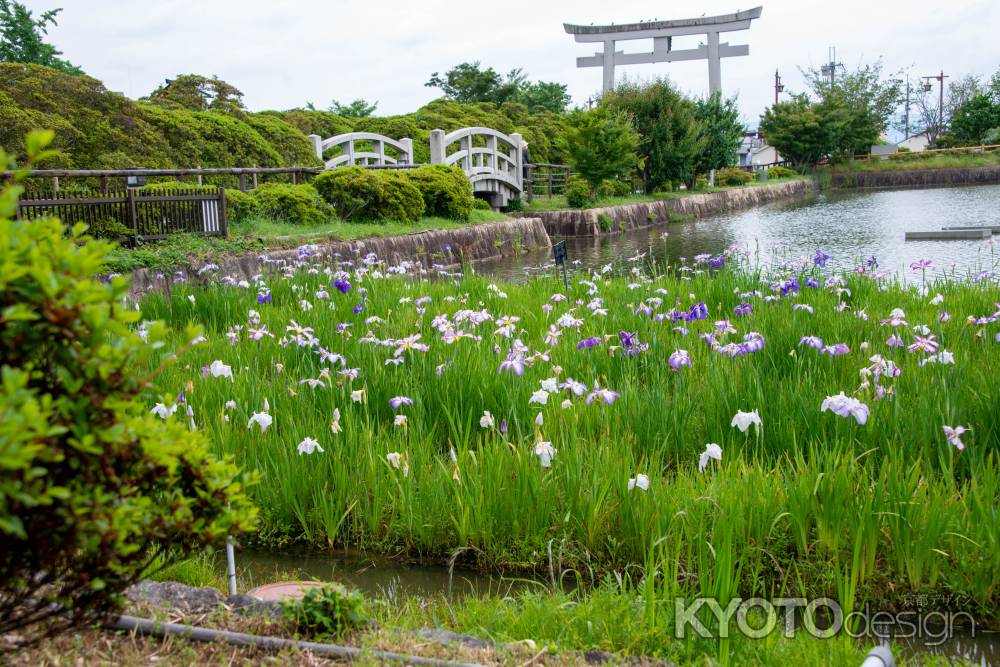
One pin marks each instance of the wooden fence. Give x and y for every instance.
(135, 214)
(543, 179)
(109, 179)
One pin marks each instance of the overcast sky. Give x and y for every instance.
(283, 53)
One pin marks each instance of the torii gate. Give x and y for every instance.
(662, 33)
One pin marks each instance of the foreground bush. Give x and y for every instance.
(446, 191)
(359, 194)
(733, 176)
(577, 192)
(240, 206)
(92, 486)
(329, 611)
(296, 204)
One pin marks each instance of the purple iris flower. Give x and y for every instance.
(264, 298)
(503, 425)
(814, 342)
(513, 363)
(397, 401)
(605, 395)
(872, 262)
(588, 343)
(717, 262)
(180, 398)
(820, 258)
(836, 350)
(342, 285)
(753, 342)
(679, 358)
(743, 309)
(812, 282)
(790, 285)
(630, 343)
(698, 311)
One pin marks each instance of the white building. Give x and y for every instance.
(916, 143)
(755, 151)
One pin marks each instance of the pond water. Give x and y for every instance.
(849, 226)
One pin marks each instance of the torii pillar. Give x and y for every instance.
(662, 34)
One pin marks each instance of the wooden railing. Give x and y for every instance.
(544, 179)
(248, 176)
(140, 215)
(920, 155)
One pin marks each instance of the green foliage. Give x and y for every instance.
(615, 188)
(468, 82)
(781, 172)
(578, 192)
(359, 194)
(295, 204)
(329, 611)
(22, 37)
(514, 205)
(605, 222)
(481, 205)
(701, 183)
(106, 228)
(721, 132)
(798, 129)
(198, 93)
(446, 191)
(357, 109)
(601, 144)
(544, 96)
(665, 119)
(240, 206)
(977, 120)
(733, 176)
(92, 484)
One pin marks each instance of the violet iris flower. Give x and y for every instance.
(397, 401)
(698, 311)
(588, 343)
(820, 258)
(814, 342)
(342, 285)
(743, 309)
(922, 265)
(264, 298)
(717, 262)
(812, 282)
(836, 350)
(679, 358)
(630, 343)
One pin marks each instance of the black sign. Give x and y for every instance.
(559, 253)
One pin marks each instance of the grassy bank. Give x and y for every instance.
(185, 250)
(921, 160)
(558, 202)
(543, 479)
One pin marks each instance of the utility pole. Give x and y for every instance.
(778, 86)
(906, 107)
(928, 87)
(830, 69)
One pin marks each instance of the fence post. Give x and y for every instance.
(550, 182)
(317, 144)
(104, 184)
(55, 185)
(199, 175)
(243, 182)
(531, 182)
(223, 220)
(295, 177)
(437, 147)
(255, 178)
(133, 218)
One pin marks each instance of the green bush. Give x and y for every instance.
(240, 206)
(92, 485)
(577, 192)
(106, 228)
(733, 176)
(701, 183)
(605, 222)
(615, 188)
(330, 611)
(781, 172)
(446, 191)
(514, 205)
(359, 194)
(295, 204)
(481, 204)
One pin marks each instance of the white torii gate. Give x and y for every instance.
(662, 33)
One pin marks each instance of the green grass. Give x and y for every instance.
(558, 202)
(185, 250)
(921, 160)
(813, 504)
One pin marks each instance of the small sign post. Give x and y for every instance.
(559, 254)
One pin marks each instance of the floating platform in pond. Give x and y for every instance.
(949, 234)
(995, 229)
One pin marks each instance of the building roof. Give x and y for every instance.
(663, 25)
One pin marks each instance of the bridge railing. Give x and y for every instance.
(484, 154)
(365, 149)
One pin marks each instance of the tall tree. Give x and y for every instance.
(721, 131)
(357, 109)
(799, 129)
(198, 93)
(666, 122)
(22, 38)
(601, 144)
(544, 96)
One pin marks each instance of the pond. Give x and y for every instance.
(849, 226)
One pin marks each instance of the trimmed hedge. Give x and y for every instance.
(240, 206)
(577, 192)
(359, 194)
(446, 191)
(732, 176)
(295, 204)
(401, 199)
(781, 172)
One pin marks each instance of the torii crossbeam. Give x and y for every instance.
(662, 33)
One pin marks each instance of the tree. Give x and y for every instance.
(22, 38)
(601, 144)
(799, 129)
(544, 96)
(972, 121)
(198, 93)
(665, 121)
(357, 109)
(721, 132)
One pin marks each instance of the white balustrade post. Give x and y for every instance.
(437, 146)
(407, 153)
(317, 144)
(518, 142)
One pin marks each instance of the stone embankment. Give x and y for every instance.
(616, 219)
(918, 178)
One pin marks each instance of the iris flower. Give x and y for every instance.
(846, 406)
(820, 258)
(954, 436)
(162, 411)
(487, 421)
(640, 481)
(545, 453)
(308, 446)
(605, 395)
(743, 309)
(397, 401)
(712, 451)
(679, 358)
(743, 420)
(398, 461)
(262, 419)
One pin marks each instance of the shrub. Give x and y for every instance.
(781, 172)
(358, 194)
(240, 206)
(701, 183)
(329, 611)
(106, 228)
(296, 204)
(93, 486)
(169, 186)
(577, 192)
(614, 188)
(733, 176)
(605, 222)
(446, 191)
(481, 205)
(514, 205)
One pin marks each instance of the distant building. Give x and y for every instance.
(755, 151)
(916, 143)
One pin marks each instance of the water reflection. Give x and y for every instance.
(851, 227)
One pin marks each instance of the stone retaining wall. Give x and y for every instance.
(918, 178)
(587, 222)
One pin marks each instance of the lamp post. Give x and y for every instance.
(928, 87)
(778, 86)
